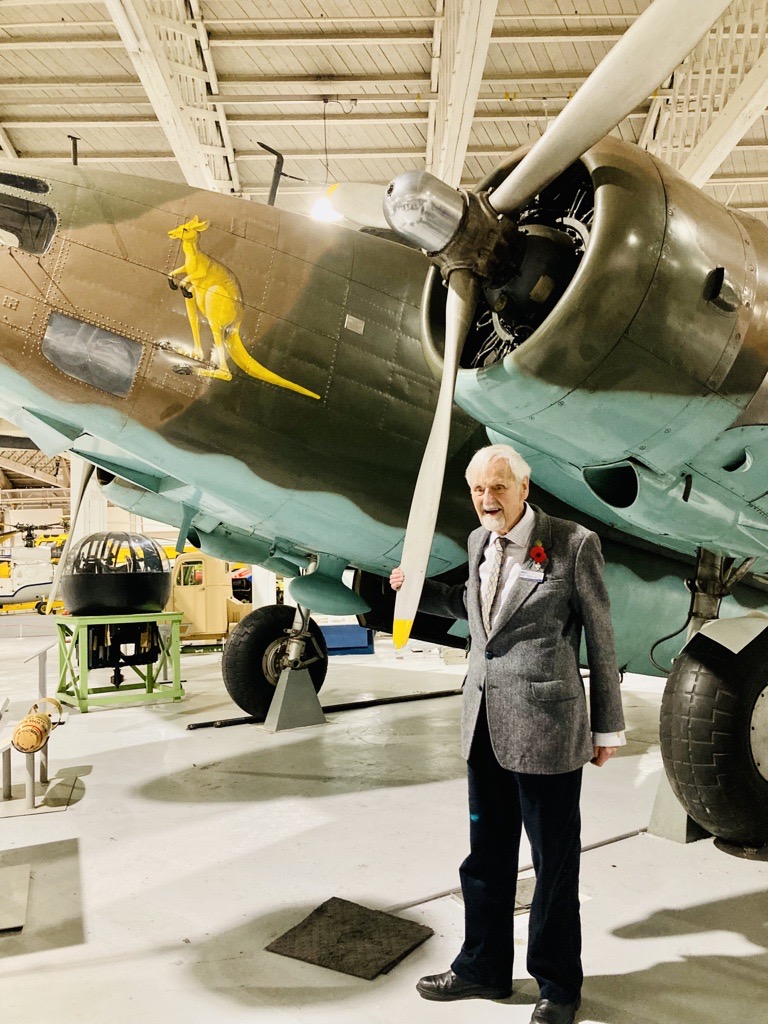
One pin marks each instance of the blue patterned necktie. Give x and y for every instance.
(488, 595)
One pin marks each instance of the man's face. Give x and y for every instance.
(498, 496)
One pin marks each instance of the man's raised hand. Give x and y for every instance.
(396, 578)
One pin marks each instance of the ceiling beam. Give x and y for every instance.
(225, 163)
(9, 150)
(304, 39)
(466, 38)
(10, 26)
(76, 100)
(737, 179)
(83, 121)
(738, 115)
(418, 99)
(294, 120)
(247, 40)
(392, 19)
(57, 42)
(163, 86)
(337, 87)
(278, 39)
(64, 82)
(345, 84)
(500, 36)
(22, 469)
(434, 79)
(38, 3)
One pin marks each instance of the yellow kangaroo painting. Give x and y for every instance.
(211, 289)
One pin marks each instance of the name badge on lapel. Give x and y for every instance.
(532, 574)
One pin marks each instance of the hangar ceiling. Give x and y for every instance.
(28, 477)
(187, 89)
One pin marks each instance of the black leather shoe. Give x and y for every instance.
(547, 1012)
(447, 986)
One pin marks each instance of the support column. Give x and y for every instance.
(93, 511)
(263, 587)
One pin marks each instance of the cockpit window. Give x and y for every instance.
(22, 181)
(97, 357)
(26, 224)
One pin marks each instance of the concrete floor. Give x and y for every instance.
(154, 894)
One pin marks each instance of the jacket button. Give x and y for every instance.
(489, 655)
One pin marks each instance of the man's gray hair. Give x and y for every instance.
(506, 453)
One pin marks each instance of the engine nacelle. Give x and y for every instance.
(656, 345)
(657, 320)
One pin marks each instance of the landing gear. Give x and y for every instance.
(714, 717)
(714, 738)
(40, 607)
(261, 646)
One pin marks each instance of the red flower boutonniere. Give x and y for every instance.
(537, 553)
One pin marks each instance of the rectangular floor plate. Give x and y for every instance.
(14, 894)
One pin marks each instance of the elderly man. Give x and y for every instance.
(535, 583)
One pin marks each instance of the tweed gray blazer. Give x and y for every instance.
(528, 667)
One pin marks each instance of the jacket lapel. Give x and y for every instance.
(523, 589)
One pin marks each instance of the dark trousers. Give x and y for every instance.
(501, 803)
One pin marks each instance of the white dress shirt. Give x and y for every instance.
(517, 550)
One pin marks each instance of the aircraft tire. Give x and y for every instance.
(40, 607)
(250, 657)
(714, 738)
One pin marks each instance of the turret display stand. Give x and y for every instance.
(137, 642)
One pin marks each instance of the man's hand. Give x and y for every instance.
(396, 578)
(602, 754)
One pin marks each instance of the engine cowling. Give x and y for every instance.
(655, 345)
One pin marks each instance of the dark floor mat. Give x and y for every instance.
(351, 939)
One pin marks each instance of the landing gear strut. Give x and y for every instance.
(714, 716)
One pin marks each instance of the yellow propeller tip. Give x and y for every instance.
(332, 188)
(401, 631)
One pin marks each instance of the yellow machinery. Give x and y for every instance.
(202, 591)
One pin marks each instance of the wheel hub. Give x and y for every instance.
(758, 733)
(271, 662)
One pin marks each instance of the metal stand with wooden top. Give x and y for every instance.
(134, 641)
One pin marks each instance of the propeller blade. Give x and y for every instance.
(359, 202)
(647, 53)
(55, 584)
(463, 288)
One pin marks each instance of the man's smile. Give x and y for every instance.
(498, 497)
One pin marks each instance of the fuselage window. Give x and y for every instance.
(26, 224)
(97, 357)
(27, 184)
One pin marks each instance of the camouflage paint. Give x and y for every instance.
(339, 311)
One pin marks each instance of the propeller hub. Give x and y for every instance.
(424, 209)
(459, 230)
